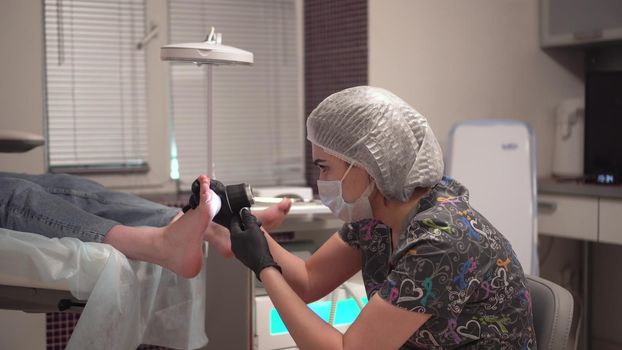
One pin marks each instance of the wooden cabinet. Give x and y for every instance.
(595, 219)
(579, 22)
(610, 221)
(568, 216)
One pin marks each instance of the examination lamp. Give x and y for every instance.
(209, 52)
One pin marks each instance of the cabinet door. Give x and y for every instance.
(568, 216)
(610, 220)
(579, 22)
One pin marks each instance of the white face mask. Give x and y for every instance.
(331, 196)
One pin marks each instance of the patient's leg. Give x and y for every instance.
(92, 197)
(26, 206)
(120, 207)
(60, 205)
(177, 247)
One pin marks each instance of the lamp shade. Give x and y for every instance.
(206, 52)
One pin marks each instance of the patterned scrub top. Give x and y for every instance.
(449, 262)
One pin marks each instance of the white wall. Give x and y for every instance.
(455, 60)
(21, 78)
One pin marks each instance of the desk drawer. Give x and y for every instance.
(569, 217)
(610, 220)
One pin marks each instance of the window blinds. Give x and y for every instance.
(257, 110)
(96, 106)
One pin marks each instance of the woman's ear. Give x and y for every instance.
(378, 196)
(385, 201)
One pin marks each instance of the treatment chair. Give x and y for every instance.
(552, 308)
(122, 303)
(495, 160)
(14, 141)
(29, 296)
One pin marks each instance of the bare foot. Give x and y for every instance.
(271, 217)
(216, 235)
(219, 237)
(182, 240)
(274, 215)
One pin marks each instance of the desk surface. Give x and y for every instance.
(303, 216)
(577, 188)
(180, 200)
(314, 207)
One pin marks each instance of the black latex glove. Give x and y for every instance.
(249, 244)
(224, 215)
(193, 201)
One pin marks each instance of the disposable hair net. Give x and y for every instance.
(373, 128)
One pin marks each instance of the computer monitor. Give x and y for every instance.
(603, 126)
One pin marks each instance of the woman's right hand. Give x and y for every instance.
(249, 244)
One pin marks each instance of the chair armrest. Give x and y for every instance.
(14, 141)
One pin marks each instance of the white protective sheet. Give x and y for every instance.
(129, 302)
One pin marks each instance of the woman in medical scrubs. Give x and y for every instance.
(437, 273)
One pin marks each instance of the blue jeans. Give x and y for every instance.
(59, 205)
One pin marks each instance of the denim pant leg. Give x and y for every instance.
(26, 206)
(92, 197)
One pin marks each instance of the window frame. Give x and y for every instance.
(156, 178)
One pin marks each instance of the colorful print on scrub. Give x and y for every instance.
(451, 263)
